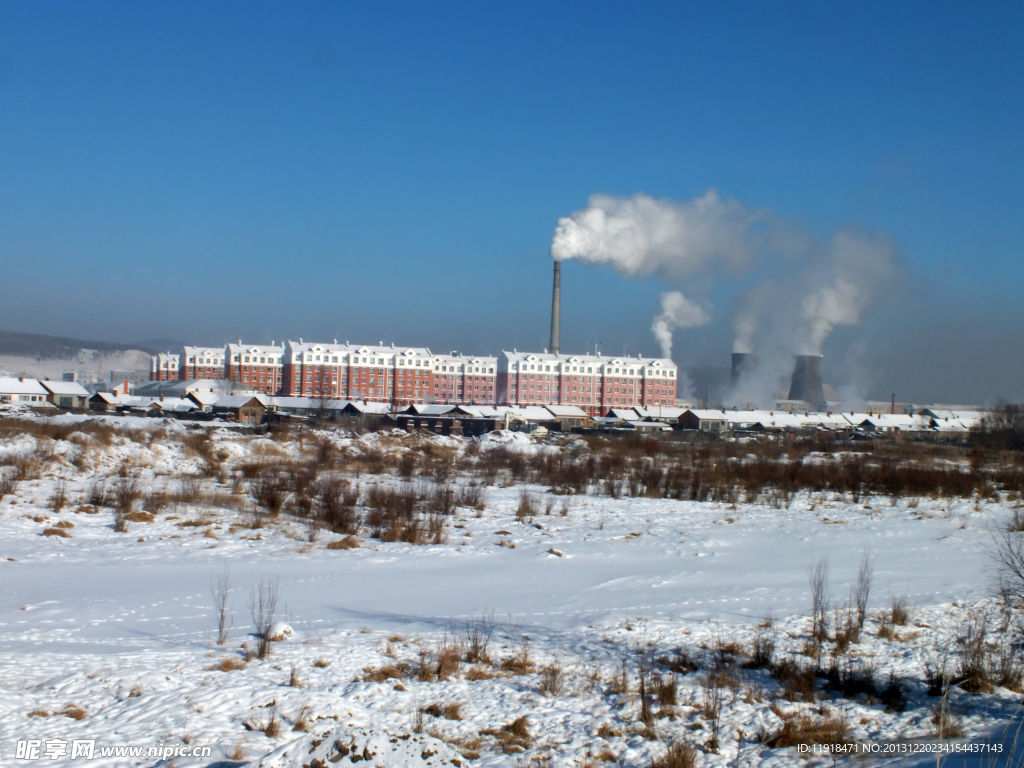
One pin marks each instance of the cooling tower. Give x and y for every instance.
(806, 383)
(556, 307)
(742, 362)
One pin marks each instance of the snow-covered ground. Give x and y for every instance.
(121, 626)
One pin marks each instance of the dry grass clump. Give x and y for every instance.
(947, 725)
(8, 484)
(552, 680)
(799, 683)
(228, 664)
(196, 523)
(54, 531)
(349, 542)
(451, 711)
(511, 738)
(681, 754)
(74, 712)
(271, 727)
(397, 671)
(519, 663)
(140, 517)
(528, 507)
(38, 713)
(899, 611)
(321, 663)
(803, 729)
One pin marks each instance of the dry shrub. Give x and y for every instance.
(552, 680)
(74, 712)
(514, 737)
(681, 754)
(293, 681)
(262, 607)
(38, 713)
(229, 664)
(665, 690)
(321, 663)
(399, 671)
(528, 507)
(519, 663)
(476, 639)
(126, 491)
(451, 711)
(480, 673)
(899, 612)
(947, 725)
(140, 517)
(349, 542)
(798, 682)
(802, 729)
(605, 731)
(56, 532)
(271, 727)
(197, 523)
(679, 662)
(58, 498)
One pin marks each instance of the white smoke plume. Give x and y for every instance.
(641, 236)
(677, 311)
(805, 289)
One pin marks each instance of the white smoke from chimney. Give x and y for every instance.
(641, 236)
(856, 265)
(677, 311)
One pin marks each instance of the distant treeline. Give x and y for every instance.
(55, 347)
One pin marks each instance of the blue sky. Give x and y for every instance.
(395, 171)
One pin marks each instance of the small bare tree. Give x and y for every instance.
(220, 589)
(863, 589)
(819, 599)
(126, 490)
(263, 607)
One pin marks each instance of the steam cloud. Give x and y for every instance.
(807, 288)
(677, 311)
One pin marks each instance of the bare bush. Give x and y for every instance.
(220, 590)
(8, 483)
(863, 589)
(552, 679)
(681, 754)
(818, 577)
(126, 491)
(527, 508)
(262, 607)
(59, 496)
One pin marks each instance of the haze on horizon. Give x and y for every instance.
(396, 172)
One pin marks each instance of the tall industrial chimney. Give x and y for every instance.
(742, 362)
(806, 384)
(556, 307)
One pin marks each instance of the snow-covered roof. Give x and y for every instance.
(237, 401)
(547, 357)
(479, 411)
(625, 414)
(429, 409)
(21, 386)
(108, 397)
(65, 388)
(206, 398)
(566, 411)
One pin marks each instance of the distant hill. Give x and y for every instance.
(59, 347)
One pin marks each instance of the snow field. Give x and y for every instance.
(121, 625)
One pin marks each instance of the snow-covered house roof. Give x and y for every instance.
(66, 388)
(21, 386)
(232, 402)
(566, 411)
(429, 409)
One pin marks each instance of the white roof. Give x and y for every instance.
(430, 409)
(480, 411)
(301, 347)
(65, 388)
(566, 411)
(255, 349)
(205, 397)
(11, 386)
(237, 401)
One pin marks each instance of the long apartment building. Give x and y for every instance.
(406, 375)
(591, 382)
